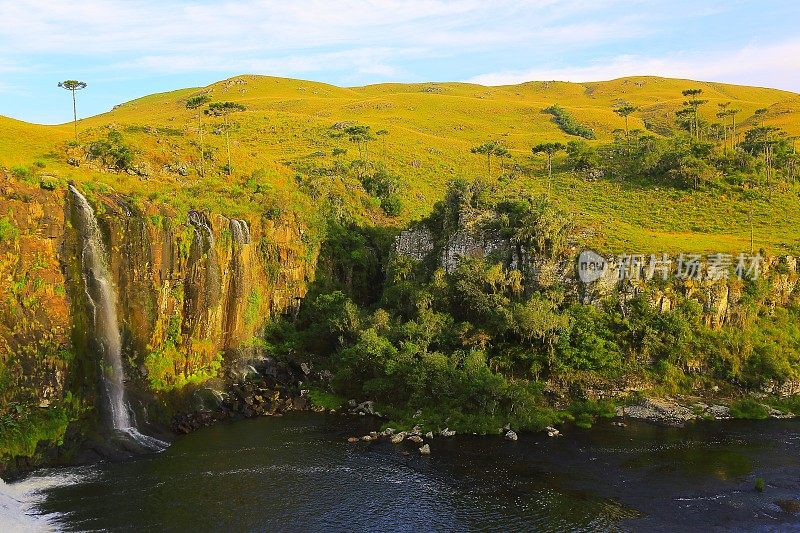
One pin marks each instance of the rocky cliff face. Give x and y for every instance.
(720, 298)
(193, 290)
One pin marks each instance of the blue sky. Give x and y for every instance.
(129, 48)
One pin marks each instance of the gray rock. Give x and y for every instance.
(425, 450)
(661, 411)
(511, 435)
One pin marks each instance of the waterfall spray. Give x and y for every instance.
(102, 298)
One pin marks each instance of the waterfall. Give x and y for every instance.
(102, 298)
(240, 231)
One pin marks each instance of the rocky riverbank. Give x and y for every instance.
(677, 411)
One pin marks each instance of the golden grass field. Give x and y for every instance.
(431, 128)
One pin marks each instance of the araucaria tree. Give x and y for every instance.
(489, 149)
(361, 136)
(693, 103)
(624, 110)
(73, 86)
(223, 109)
(196, 102)
(549, 149)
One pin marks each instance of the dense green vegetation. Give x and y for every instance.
(567, 123)
(23, 427)
(495, 341)
(488, 344)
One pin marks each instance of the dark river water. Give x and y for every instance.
(298, 473)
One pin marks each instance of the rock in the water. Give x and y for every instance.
(374, 435)
(447, 433)
(790, 506)
(429, 435)
(352, 440)
(619, 424)
(425, 450)
(511, 435)
(388, 432)
(719, 412)
(398, 438)
(552, 432)
(415, 439)
(661, 411)
(366, 438)
(365, 408)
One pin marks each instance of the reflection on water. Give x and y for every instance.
(298, 473)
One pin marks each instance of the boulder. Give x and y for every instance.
(365, 408)
(429, 435)
(552, 432)
(511, 435)
(366, 438)
(660, 411)
(446, 432)
(425, 450)
(398, 438)
(415, 439)
(352, 440)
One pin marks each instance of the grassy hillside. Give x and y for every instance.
(283, 143)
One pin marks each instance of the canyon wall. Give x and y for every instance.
(193, 290)
(719, 298)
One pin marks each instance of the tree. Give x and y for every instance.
(732, 113)
(550, 150)
(490, 148)
(361, 135)
(723, 114)
(623, 110)
(73, 85)
(769, 142)
(694, 104)
(502, 154)
(196, 102)
(223, 109)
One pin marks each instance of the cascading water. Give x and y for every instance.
(102, 299)
(240, 231)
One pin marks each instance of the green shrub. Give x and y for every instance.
(22, 173)
(749, 409)
(325, 400)
(8, 231)
(22, 428)
(392, 205)
(568, 124)
(112, 152)
(586, 412)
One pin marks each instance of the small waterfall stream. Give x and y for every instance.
(102, 298)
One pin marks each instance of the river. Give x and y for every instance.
(298, 473)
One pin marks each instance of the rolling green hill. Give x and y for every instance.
(287, 130)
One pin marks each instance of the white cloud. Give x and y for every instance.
(772, 65)
(258, 28)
